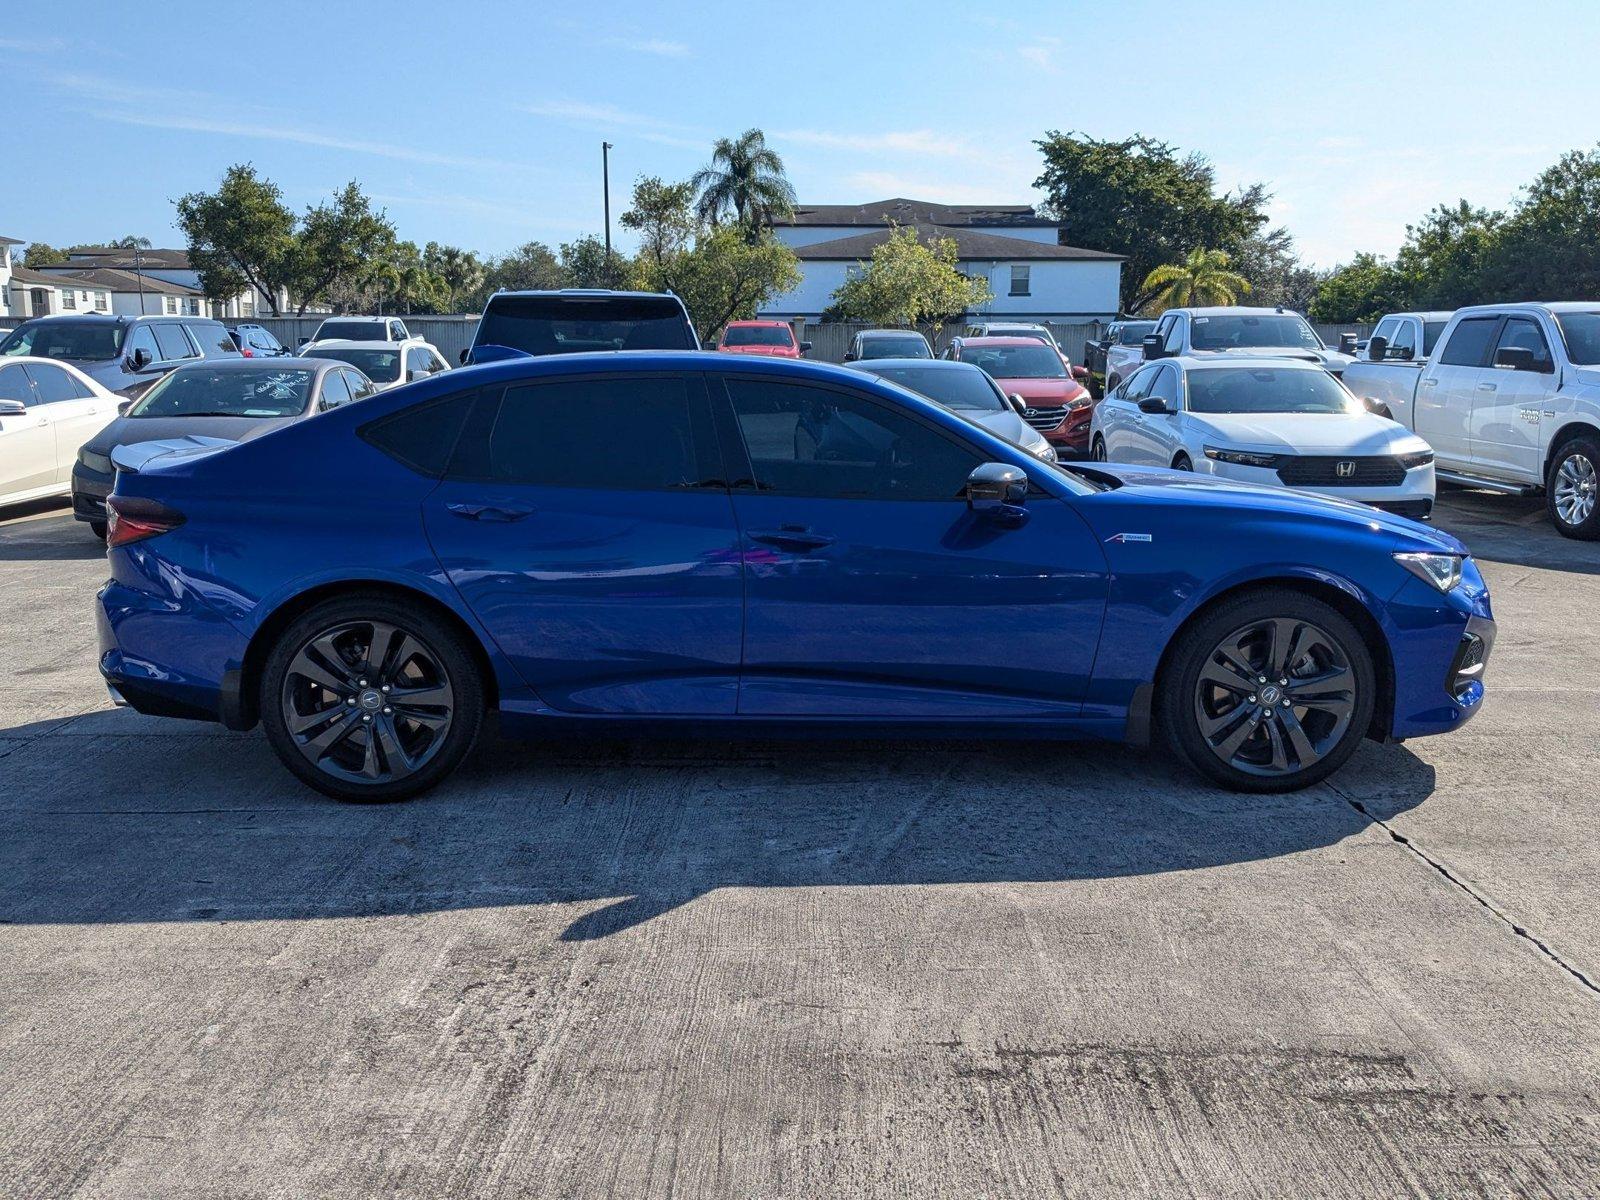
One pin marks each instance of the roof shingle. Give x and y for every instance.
(971, 246)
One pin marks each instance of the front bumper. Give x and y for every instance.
(1071, 435)
(1440, 644)
(1413, 497)
(89, 492)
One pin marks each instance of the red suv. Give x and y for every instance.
(774, 339)
(1057, 405)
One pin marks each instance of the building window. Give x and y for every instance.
(192, 307)
(69, 298)
(1019, 279)
(102, 301)
(169, 305)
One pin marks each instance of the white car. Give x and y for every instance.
(1270, 421)
(47, 410)
(1271, 332)
(360, 329)
(387, 364)
(968, 391)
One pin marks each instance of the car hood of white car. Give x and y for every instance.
(1357, 433)
(1334, 360)
(1010, 426)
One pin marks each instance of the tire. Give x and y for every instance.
(1113, 384)
(1097, 452)
(395, 750)
(1572, 488)
(98, 528)
(1182, 463)
(1239, 732)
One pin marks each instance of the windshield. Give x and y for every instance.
(966, 391)
(1582, 333)
(380, 366)
(1133, 335)
(757, 335)
(208, 392)
(352, 331)
(895, 347)
(1235, 332)
(1016, 362)
(1267, 390)
(73, 341)
(563, 325)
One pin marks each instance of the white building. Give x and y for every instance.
(161, 266)
(35, 294)
(5, 275)
(1033, 276)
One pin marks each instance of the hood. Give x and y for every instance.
(764, 351)
(1332, 359)
(1187, 488)
(125, 431)
(1049, 392)
(1584, 376)
(1356, 434)
(1010, 426)
(137, 456)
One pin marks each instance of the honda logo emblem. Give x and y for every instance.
(1345, 469)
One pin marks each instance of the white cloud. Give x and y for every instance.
(608, 118)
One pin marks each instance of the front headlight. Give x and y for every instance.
(95, 462)
(1047, 453)
(1420, 459)
(1442, 571)
(1242, 458)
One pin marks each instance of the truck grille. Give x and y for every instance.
(1314, 470)
(1044, 419)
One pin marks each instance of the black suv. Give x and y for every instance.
(123, 354)
(575, 320)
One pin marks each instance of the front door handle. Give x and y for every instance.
(1488, 387)
(795, 539)
(489, 512)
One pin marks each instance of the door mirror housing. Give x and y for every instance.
(1155, 406)
(1152, 344)
(12, 408)
(462, 357)
(1018, 403)
(805, 347)
(140, 359)
(998, 491)
(1377, 347)
(1377, 407)
(1516, 358)
(1347, 343)
(123, 406)
(303, 341)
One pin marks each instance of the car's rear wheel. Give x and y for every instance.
(1572, 489)
(1268, 692)
(368, 698)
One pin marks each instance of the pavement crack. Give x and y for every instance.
(1499, 914)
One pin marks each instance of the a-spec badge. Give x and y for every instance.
(1129, 537)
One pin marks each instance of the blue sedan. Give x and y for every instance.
(684, 543)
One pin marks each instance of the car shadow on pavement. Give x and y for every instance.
(202, 825)
(42, 529)
(1512, 529)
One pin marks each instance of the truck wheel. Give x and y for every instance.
(1572, 488)
(1268, 692)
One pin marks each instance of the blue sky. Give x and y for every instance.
(480, 124)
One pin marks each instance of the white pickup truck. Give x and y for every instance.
(1273, 332)
(1509, 399)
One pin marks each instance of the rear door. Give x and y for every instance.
(872, 590)
(1449, 388)
(586, 522)
(27, 443)
(75, 413)
(1508, 405)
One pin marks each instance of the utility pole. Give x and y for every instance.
(138, 273)
(605, 183)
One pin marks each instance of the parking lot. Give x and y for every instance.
(790, 969)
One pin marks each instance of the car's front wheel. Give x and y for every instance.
(1268, 692)
(1098, 451)
(368, 698)
(98, 528)
(1571, 489)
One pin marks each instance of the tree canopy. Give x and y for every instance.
(745, 178)
(910, 281)
(1202, 278)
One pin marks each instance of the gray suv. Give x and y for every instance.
(123, 354)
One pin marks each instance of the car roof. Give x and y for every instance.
(932, 364)
(1554, 306)
(999, 340)
(1195, 362)
(357, 317)
(1236, 310)
(586, 292)
(1009, 324)
(889, 333)
(756, 321)
(232, 363)
(360, 344)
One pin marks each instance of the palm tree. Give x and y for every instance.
(746, 177)
(130, 243)
(1202, 278)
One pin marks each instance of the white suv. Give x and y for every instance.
(1275, 332)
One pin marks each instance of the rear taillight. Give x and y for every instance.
(133, 518)
(247, 352)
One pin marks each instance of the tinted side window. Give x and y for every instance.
(335, 391)
(1138, 385)
(53, 383)
(1385, 330)
(172, 342)
(142, 339)
(1174, 341)
(634, 434)
(1469, 343)
(14, 385)
(1165, 386)
(1522, 333)
(808, 441)
(213, 337)
(422, 437)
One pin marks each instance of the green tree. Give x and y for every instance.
(910, 282)
(1203, 277)
(1549, 247)
(586, 264)
(130, 242)
(1360, 291)
(42, 254)
(242, 235)
(1139, 198)
(1449, 258)
(532, 266)
(458, 271)
(745, 177)
(663, 216)
(340, 241)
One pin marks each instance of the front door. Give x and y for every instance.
(27, 443)
(76, 413)
(1509, 406)
(585, 522)
(871, 589)
(1449, 388)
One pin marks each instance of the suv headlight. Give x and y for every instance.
(1442, 571)
(1242, 458)
(1047, 454)
(95, 462)
(1420, 459)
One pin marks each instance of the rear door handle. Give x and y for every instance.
(792, 539)
(1430, 383)
(1488, 387)
(489, 512)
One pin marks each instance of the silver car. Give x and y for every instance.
(968, 391)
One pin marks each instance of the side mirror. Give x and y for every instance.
(997, 490)
(1155, 406)
(849, 356)
(140, 359)
(413, 375)
(123, 406)
(1377, 407)
(1152, 347)
(1377, 347)
(1515, 358)
(805, 347)
(12, 408)
(462, 358)
(303, 341)
(1347, 343)
(1018, 403)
